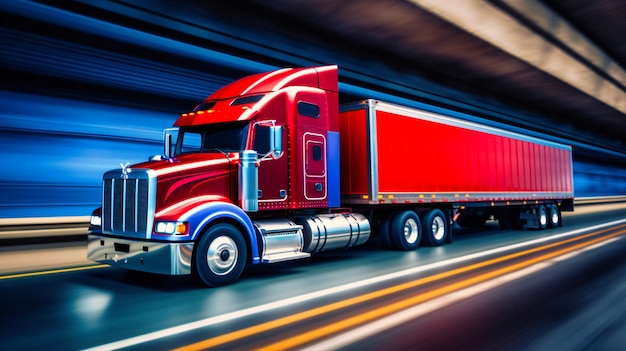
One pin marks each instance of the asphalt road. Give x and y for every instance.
(491, 289)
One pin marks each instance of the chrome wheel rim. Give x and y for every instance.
(411, 231)
(438, 228)
(222, 255)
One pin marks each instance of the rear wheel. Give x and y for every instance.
(435, 227)
(220, 256)
(405, 231)
(554, 216)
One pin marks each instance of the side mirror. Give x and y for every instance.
(168, 141)
(276, 141)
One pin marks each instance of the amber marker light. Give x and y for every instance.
(181, 228)
(171, 228)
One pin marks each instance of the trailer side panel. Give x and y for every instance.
(413, 156)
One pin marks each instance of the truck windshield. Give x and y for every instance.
(224, 137)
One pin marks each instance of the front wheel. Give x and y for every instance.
(220, 256)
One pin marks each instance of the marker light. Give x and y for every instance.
(95, 221)
(171, 228)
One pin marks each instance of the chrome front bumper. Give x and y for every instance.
(141, 255)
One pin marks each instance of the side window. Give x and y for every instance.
(308, 109)
(317, 153)
(262, 140)
(191, 142)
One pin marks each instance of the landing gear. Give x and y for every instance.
(510, 219)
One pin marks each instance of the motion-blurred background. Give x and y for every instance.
(87, 85)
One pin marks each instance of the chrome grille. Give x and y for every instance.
(127, 205)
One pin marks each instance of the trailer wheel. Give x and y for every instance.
(542, 217)
(220, 256)
(554, 216)
(435, 227)
(405, 231)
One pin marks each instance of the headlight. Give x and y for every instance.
(171, 228)
(95, 221)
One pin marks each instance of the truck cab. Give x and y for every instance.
(250, 176)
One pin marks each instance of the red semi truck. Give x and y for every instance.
(270, 168)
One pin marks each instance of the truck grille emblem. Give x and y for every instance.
(125, 170)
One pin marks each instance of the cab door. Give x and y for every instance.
(273, 173)
(314, 166)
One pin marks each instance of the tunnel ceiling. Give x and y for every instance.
(415, 34)
(556, 65)
(603, 21)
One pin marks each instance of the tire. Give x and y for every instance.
(405, 231)
(220, 256)
(554, 216)
(435, 227)
(542, 217)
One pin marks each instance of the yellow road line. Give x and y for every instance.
(416, 300)
(52, 271)
(264, 327)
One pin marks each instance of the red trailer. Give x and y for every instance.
(268, 169)
(394, 155)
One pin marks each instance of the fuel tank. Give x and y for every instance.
(333, 231)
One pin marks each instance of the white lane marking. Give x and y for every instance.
(405, 316)
(163, 333)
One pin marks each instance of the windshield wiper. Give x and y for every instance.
(225, 153)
